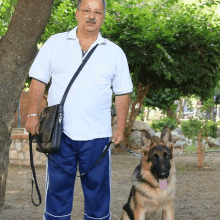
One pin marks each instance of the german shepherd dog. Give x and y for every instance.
(152, 192)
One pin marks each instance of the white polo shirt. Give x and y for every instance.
(87, 107)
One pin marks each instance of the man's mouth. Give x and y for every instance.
(91, 22)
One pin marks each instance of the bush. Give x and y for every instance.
(191, 127)
(158, 125)
(212, 129)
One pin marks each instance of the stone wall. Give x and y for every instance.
(19, 153)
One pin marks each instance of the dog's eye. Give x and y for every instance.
(168, 156)
(155, 157)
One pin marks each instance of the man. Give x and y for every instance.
(87, 118)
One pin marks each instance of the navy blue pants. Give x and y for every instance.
(96, 184)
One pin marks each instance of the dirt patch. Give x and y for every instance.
(197, 191)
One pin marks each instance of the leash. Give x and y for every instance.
(130, 151)
(103, 154)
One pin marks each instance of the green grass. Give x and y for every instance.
(193, 148)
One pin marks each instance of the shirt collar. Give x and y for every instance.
(72, 35)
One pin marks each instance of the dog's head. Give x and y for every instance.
(158, 155)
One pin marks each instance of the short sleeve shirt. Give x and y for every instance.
(87, 109)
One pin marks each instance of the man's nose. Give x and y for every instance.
(91, 14)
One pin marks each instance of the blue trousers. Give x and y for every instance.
(96, 184)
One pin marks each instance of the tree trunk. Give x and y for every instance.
(170, 113)
(200, 150)
(180, 109)
(148, 112)
(141, 93)
(18, 49)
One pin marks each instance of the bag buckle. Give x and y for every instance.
(60, 118)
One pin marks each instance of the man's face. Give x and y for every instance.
(90, 16)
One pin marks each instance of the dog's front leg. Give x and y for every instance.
(139, 213)
(167, 213)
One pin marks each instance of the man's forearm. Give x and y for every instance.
(36, 93)
(122, 106)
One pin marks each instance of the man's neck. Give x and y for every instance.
(86, 36)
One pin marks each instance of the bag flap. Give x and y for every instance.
(47, 120)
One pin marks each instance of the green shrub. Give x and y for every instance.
(191, 127)
(212, 128)
(158, 125)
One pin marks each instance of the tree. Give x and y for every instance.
(164, 100)
(201, 128)
(168, 45)
(18, 48)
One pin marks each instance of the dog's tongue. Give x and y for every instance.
(163, 183)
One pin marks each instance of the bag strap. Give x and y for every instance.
(77, 73)
(34, 179)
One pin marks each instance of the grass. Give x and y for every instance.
(189, 149)
(194, 148)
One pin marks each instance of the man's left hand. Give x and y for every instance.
(118, 137)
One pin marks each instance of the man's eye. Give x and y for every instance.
(98, 13)
(87, 10)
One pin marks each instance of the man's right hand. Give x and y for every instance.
(32, 125)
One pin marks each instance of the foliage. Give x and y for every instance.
(158, 125)
(168, 45)
(211, 129)
(161, 99)
(191, 127)
(62, 18)
(6, 12)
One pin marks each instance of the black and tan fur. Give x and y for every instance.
(147, 201)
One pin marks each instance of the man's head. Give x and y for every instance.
(103, 1)
(90, 14)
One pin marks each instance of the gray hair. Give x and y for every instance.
(103, 1)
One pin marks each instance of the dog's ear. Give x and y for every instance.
(166, 137)
(146, 140)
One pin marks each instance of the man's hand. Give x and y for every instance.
(118, 136)
(32, 125)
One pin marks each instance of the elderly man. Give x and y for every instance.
(87, 118)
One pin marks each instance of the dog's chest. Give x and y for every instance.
(153, 209)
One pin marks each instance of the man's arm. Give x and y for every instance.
(36, 93)
(122, 106)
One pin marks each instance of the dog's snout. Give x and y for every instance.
(164, 175)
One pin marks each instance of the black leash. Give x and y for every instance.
(34, 179)
(103, 154)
